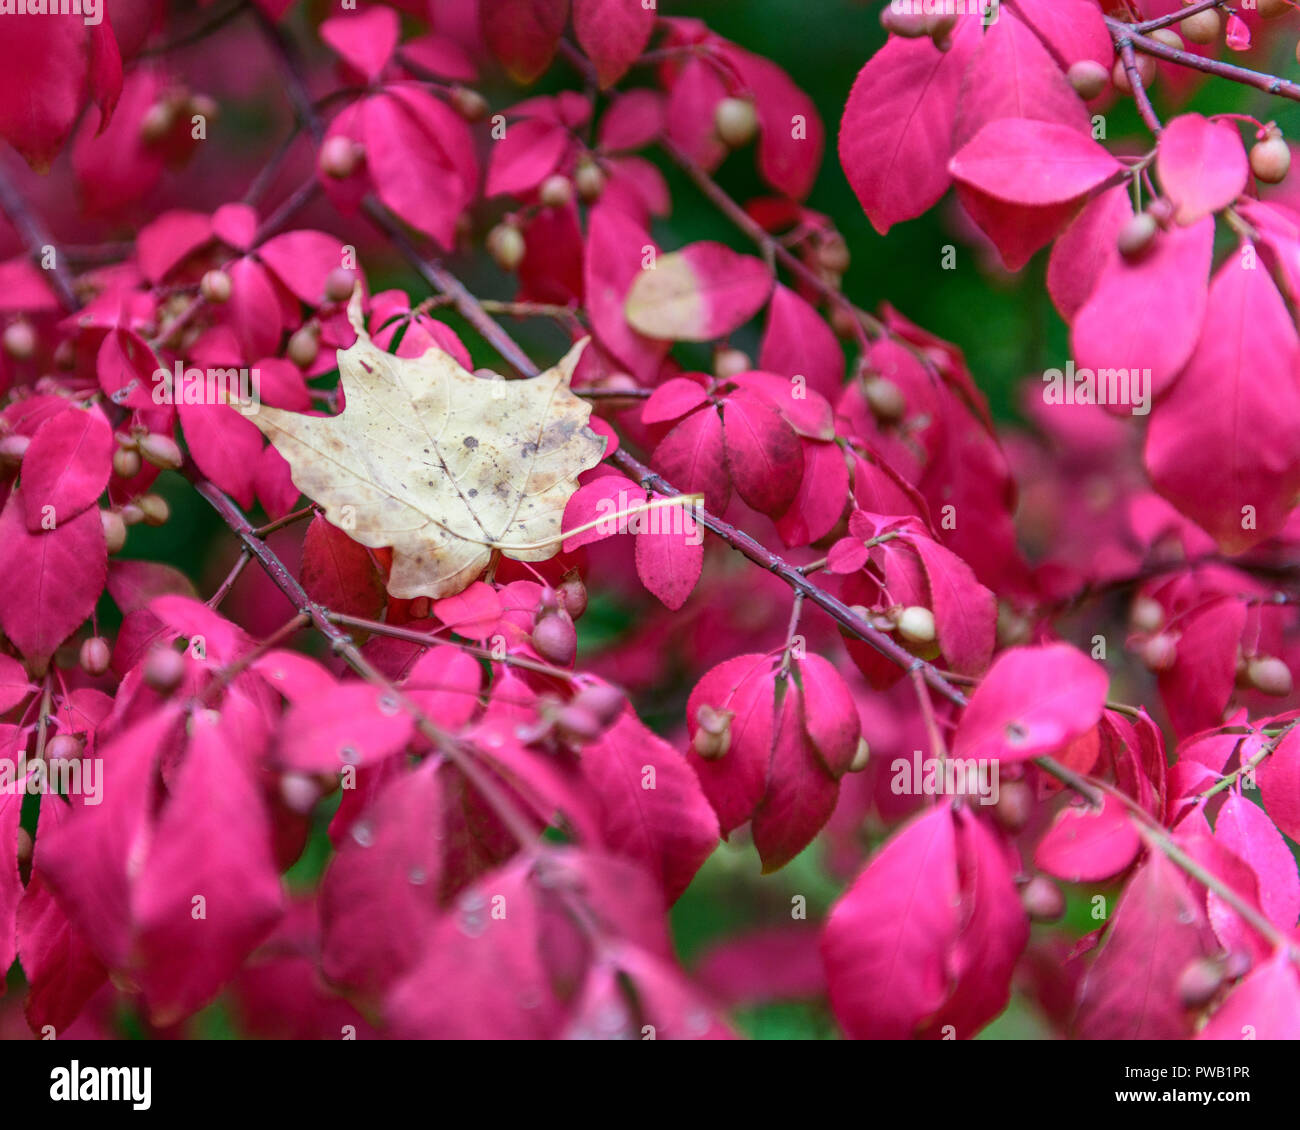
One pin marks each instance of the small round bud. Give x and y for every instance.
(1015, 805)
(468, 103)
(160, 450)
(126, 463)
(164, 668)
(729, 361)
(1088, 77)
(304, 345)
(63, 747)
(861, 757)
(1160, 652)
(1042, 899)
(1269, 675)
(20, 340)
(339, 157)
(573, 595)
(589, 180)
(153, 509)
(736, 121)
(1168, 37)
(1202, 28)
(556, 191)
(916, 624)
(1146, 615)
(1200, 981)
(1270, 159)
(132, 515)
(300, 792)
(555, 638)
(95, 654)
(578, 724)
(713, 737)
(505, 243)
(114, 530)
(158, 121)
(339, 284)
(606, 702)
(1136, 235)
(215, 287)
(885, 399)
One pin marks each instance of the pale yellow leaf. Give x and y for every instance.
(441, 465)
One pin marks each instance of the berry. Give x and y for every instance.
(114, 530)
(339, 157)
(904, 24)
(63, 747)
(1168, 37)
(1201, 28)
(555, 638)
(95, 655)
(12, 450)
(1015, 805)
(215, 287)
(1270, 159)
(158, 121)
(577, 724)
(126, 463)
(339, 284)
(153, 509)
(728, 362)
(736, 121)
(573, 595)
(304, 345)
(1088, 78)
(604, 701)
(589, 180)
(556, 191)
(505, 243)
(916, 624)
(1269, 675)
(160, 450)
(164, 668)
(1146, 615)
(885, 399)
(468, 103)
(299, 792)
(20, 340)
(1042, 899)
(1136, 235)
(1160, 652)
(713, 737)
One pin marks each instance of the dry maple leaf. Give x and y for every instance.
(443, 466)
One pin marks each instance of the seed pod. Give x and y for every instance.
(304, 345)
(728, 362)
(1015, 805)
(339, 157)
(603, 700)
(1270, 159)
(164, 668)
(1088, 77)
(904, 24)
(589, 180)
(578, 724)
(63, 747)
(1042, 899)
(885, 399)
(556, 191)
(160, 450)
(1271, 9)
(299, 791)
(114, 530)
(573, 595)
(20, 340)
(158, 121)
(916, 624)
(1269, 675)
(1160, 652)
(1146, 69)
(555, 638)
(339, 284)
(215, 287)
(1146, 615)
(468, 103)
(1202, 28)
(713, 737)
(12, 450)
(1168, 37)
(833, 254)
(95, 654)
(126, 463)
(205, 105)
(736, 121)
(1136, 235)
(132, 515)
(505, 243)
(153, 509)
(861, 757)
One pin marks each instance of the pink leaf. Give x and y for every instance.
(798, 342)
(1278, 776)
(303, 260)
(66, 467)
(669, 554)
(764, 455)
(339, 573)
(612, 33)
(1264, 1006)
(354, 724)
(523, 34)
(525, 156)
(1032, 702)
(1034, 163)
(704, 291)
(365, 40)
(1202, 166)
(1244, 829)
(613, 261)
(692, 457)
(965, 612)
(1085, 845)
(1086, 249)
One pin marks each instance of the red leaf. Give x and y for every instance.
(1086, 249)
(612, 33)
(791, 138)
(354, 724)
(1085, 845)
(1035, 163)
(798, 342)
(764, 455)
(67, 465)
(1032, 702)
(613, 260)
(693, 459)
(669, 554)
(365, 40)
(339, 573)
(1201, 165)
(525, 157)
(1278, 776)
(523, 34)
(965, 612)
(1244, 829)
(1264, 1006)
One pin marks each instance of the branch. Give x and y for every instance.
(35, 237)
(1140, 95)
